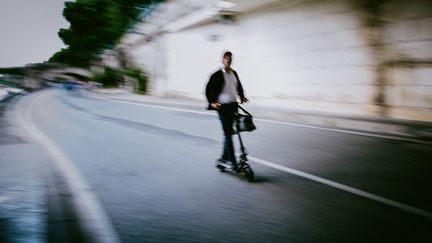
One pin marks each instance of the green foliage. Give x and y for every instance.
(9, 83)
(140, 77)
(13, 70)
(109, 78)
(95, 25)
(73, 57)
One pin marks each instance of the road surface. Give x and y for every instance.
(152, 172)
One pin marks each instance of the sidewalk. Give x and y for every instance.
(386, 127)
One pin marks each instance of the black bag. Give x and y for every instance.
(245, 121)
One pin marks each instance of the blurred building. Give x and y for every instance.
(354, 57)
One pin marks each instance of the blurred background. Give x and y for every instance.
(104, 136)
(364, 58)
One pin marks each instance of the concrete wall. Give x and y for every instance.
(407, 39)
(369, 58)
(151, 56)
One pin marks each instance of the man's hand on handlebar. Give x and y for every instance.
(216, 105)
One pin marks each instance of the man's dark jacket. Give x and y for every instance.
(215, 86)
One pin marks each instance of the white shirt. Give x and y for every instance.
(229, 91)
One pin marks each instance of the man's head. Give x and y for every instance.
(227, 59)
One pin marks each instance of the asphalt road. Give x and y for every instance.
(153, 172)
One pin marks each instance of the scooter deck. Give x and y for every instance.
(225, 166)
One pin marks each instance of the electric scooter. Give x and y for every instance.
(243, 168)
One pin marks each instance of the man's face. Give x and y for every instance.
(226, 61)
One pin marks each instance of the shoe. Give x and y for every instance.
(219, 166)
(219, 162)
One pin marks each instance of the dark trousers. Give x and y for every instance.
(227, 114)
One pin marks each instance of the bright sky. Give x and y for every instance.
(28, 30)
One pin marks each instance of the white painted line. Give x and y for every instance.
(310, 176)
(282, 123)
(166, 107)
(349, 189)
(346, 131)
(91, 215)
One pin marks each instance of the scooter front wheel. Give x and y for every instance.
(248, 173)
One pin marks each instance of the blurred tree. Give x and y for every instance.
(96, 25)
(109, 77)
(139, 77)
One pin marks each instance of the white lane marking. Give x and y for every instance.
(165, 107)
(349, 189)
(327, 182)
(391, 137)
(310, 176)
(90, 212)
(347, 131)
